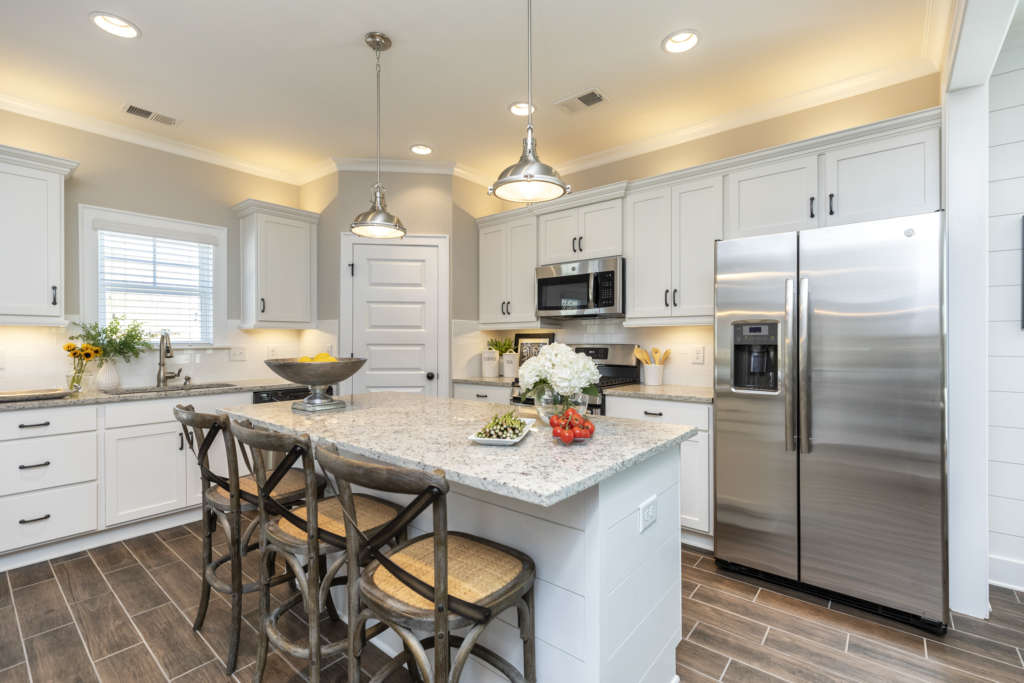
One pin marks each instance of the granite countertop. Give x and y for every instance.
(489, 381)
(433, 433)
(664, 392)
(97, 397)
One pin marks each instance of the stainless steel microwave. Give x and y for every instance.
(593, 288)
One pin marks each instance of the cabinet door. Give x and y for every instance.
(31, 225)
(145, 471)
(522, 271)
(696, 224)
(559, 233)
(778, 196)
(285, 249)
(648, 239)
(694, 488)
(493, 272)
(894, 176)
(219, 465)
(601, 229)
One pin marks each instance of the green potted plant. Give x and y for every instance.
(118, 339)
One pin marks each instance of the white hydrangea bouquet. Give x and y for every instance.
(559, 377)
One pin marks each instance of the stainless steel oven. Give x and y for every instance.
(593, 288)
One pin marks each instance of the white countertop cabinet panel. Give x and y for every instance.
(583, 232)
(508, 275)
(482, 392)
(145, 471)
(774, 196)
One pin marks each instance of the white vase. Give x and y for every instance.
(489, 363)
(107, 378)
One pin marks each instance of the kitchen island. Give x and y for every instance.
(599, 518)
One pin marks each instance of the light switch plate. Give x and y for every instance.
(698, 354)
(238, 353)
(648, 513)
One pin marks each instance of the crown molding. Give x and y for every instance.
(40, 162)
(247, 207)
(395, 166)
(850, 87)
(472, 175)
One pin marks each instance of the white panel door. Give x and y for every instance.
(648, 235)
(522, 271)
(694, 489)
(145, 471)
(559, 233)
(778, 196)
(394, 318)
(600, 229)
(284, 257)
(696, 224)
(30, 228)
(894, 176)
(494, 272)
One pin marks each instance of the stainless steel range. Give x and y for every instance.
(616, 364)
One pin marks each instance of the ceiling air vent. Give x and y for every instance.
(576, 103)
(149, 115)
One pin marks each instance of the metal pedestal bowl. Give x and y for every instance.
(317, 376)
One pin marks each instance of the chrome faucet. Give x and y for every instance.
(163, 354)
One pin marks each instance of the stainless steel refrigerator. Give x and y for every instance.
(829, 411)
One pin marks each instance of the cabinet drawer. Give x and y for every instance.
(41, 516)
(33, 464)
(652, 410)
(20, 424)
(162, 409)
(483, 392)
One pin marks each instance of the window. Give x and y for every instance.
(167, 284)
(168, 274)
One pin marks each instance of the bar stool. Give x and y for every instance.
(474, 579)
(224, 501)
(300, 536)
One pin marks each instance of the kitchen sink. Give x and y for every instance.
(175, 387)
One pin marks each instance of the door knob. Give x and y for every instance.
(430, 375)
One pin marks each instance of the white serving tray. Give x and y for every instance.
(504, 442)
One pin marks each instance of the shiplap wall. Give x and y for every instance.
(1006, 338)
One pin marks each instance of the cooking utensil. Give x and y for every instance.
(638, 353)
(657, 355)
(665, 355)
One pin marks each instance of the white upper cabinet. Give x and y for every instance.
(696, 225)
(32, 232)
(278, 265)
(648, 240)
(883, 178)
(508, 277)
(770, 197)
(584, 232)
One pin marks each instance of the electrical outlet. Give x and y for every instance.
(237, 353)
(648, 513)
(698, 354)
(274, 351)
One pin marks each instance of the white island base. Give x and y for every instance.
(607, 594)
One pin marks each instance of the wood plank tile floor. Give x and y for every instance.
(123, 612)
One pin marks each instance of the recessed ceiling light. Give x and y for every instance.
(520, 108)
(422, 150)
(680, 41)
(115, 25)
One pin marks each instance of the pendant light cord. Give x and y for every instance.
(529, 63)
(378, 116)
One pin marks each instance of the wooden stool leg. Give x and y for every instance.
(209, 520)
(267, 560)
(332, 609)
(312, 603)
(526, 632)
(235, 544)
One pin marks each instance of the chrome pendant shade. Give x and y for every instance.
(377, 222)
(529, 179)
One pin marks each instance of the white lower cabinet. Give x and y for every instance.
(40, 516)
(487, 393)
(695, 489)
(145, 471)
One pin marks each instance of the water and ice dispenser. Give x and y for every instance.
(755, 356)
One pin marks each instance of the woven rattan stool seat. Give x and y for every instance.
(371, 512)
(293, 485)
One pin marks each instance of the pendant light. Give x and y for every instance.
(377, 221)
(529, 179)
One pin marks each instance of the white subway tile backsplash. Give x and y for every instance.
(1006, 480)
(1006, 125)
(1006, 409)
(1006, 196)
(1006, 90)
(1006, 161)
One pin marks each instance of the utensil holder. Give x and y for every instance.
(653, 374)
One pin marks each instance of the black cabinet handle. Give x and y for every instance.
(263, 305)
(812, 207)
(675, 297)
(54, 290)
(831, 205)
(481, 395)
(574, 245)
(32, 467)
(181, 442)
(581, 243)
(430, 376)
(34, 424)
(34, 519)
(653, 413)
(666, 298)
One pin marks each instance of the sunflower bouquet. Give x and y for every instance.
(80, 356)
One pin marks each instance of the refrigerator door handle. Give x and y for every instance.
(789, 349)
(804, 381)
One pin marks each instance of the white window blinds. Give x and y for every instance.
(165, 283)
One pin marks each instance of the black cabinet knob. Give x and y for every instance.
(430, 375)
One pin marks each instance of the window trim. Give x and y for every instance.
(94, 218)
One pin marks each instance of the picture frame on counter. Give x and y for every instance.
(529, 344)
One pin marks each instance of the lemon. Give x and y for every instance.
(305, 359)
(323, 357)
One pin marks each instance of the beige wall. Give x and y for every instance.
(121, 175)
(903, 98)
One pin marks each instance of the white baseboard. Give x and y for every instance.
(1006, 572)
(699, 540)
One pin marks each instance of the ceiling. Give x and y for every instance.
(282, 86)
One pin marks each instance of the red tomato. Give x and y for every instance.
(553, 421)
(579, 433)
(566, 437)
(557, 432)
(587, 424)
(571, 411)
